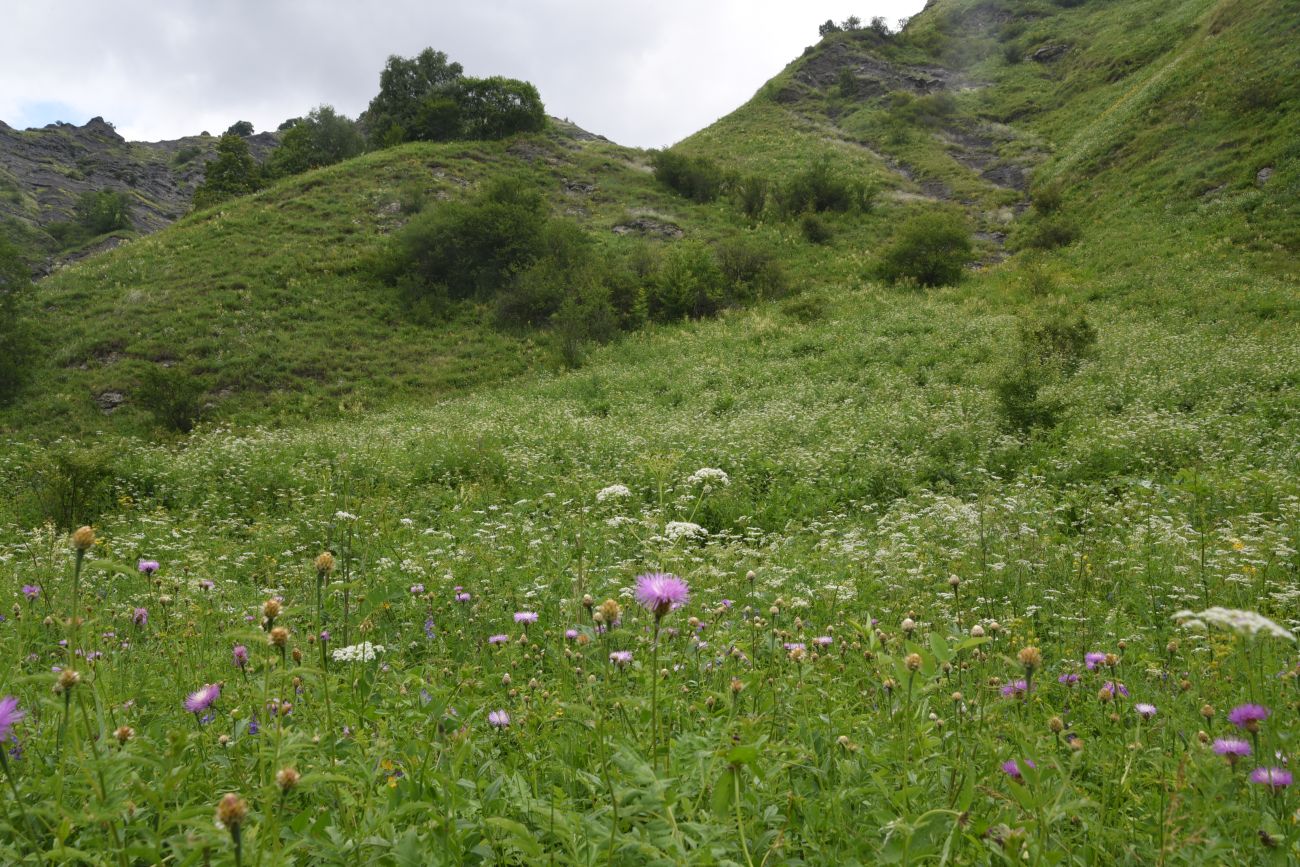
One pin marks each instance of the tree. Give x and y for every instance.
(404, 86)
(322, 138)
(497, 107)
(102, 211)
(15, 343)
(828, 28)
(242, 128)
(234, 172)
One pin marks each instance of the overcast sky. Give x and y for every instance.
(645, 73)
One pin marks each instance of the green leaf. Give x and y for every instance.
(724, 792)
(520, 837)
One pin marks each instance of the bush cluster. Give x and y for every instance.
(930, 249)
(699, 179)
(1052, 343)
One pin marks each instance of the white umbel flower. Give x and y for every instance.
(363, 652)
(1236, 620)
(709, 477)
(678, 530)
(612, 492)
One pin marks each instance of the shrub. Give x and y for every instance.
(931, 249)
(471, 248)
(1051, 346)
(815, 230)
(173, 397)
(1044, 233)
(690, 284)
(71, 485)
(820, 188)
(751, 195)
(186, 154)
(322, 138)
(565, 264)
(234, 172)
(102, 211)
(493, 108)
(699, 179)
(15, 341)
(242, 128)
(750, 271)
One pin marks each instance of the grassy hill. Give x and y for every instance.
(988, 572)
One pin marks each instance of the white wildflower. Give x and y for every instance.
(363, 652)
(1237, 620)
(344, 516)
(677, 530)
(612, 491)
(709, 476)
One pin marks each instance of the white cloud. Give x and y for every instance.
(642, 74)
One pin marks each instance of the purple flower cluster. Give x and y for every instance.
(659, 593)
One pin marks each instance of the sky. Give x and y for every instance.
(642, 74)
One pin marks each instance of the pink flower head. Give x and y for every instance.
(1069, 679)
(1144, 710)
(571, 634)
(203, 698)
(1094, 659)
(417, 589)
(140, 616)
(1248, 716)
(1231, 748)
(621, 657)
(31, 591)
(498, 639)
(498, 719)
(1015, 688)
(660, 593)
(525, 617)
(1012, 769)
(240, 655)
(462, 597)
(148, 567)
(9, 715)
(1275, 778)
(823, 641)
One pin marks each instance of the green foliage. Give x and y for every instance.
(241, 128)
(699, 179)
(15, 339)
(427, 98)
(103, 211)
(232, 173)
(1051, 345)
(821, 187)
(814, 229)
(186, 155)
(930, 249)
(69, 485)
(173, 397)
(1044, 232)
(689, 284)
(750, 271)
(470, 248)
(751, 192)
(322, 138)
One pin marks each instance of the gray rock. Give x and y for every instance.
(650, 228)
(1049, 53)
(109, 401)
(1262, 176)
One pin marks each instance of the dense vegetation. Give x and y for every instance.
(993, 563)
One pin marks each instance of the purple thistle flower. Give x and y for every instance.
(1068, 679)
(148, 567)
(1115, 688)
(1275, 778)
(462, 597)
(621, 657)
(525, 617)
(206, 584)
(660, 593)
(571, 634)
(203, 698)
(1231, 748)
(1015, 688)
(498, 639)
(417, 589)
(325, 636)
(428, 627)
(240, 655)
(793, 645)
(498, 719)
(31, 591)
(140, 616)
(1012, 769)
(726, 603)
(9, 714)
(1094, 659)
(1248, 716)
(253, 726)
(823, 641)
(1144, 710)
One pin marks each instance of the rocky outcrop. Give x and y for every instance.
(44, 171)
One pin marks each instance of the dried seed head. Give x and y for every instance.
(279, 637)
(977, 631)
(287, 779)
(124, 734)
(67, 680)
(913, 661)
(909, 625)
(1030, 657)
(1207, 711)
(1055, 725)
(737, 685)
(83, 539)
(231, 812)
(324, 563)
(270, 610)
(611, 610)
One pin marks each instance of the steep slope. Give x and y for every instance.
(43, 171)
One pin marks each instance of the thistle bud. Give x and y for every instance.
(1207, 711)
(1030, 657)
(124, 734)
(909, 625)
(83, 539)
(1055, 725)
(279, 637)
(977, 631)
(324, 563)
(913, 661)
(231, 812)
(287, 779)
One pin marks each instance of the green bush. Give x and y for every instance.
(751, 195)
(470, 248)
(1044, 233)
(102, 211)
(699, 179)
(931, 249)
(564, 264)
(15, 341)
(322, 138)
(1051, 345)
(690, 284)
(232, 173)
(750, 271)
(70, 485)
(174, 398)
(815, 230)
(819, 187)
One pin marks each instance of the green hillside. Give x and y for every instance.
(1003, 571)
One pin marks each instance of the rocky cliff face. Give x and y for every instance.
(43, 171)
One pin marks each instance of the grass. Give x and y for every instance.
(872, 491)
